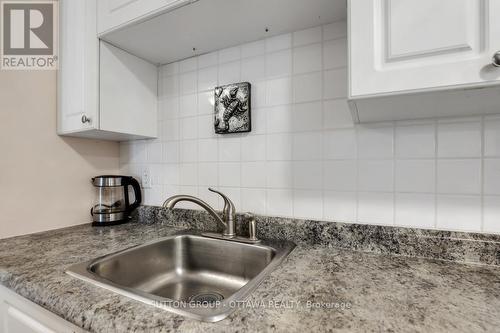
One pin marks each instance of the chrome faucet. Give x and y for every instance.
(228, 217)
(228, 212)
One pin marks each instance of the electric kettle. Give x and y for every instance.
(112, 204)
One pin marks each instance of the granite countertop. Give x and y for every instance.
(350, 291)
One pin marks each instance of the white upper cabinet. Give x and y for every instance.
(402, 45)
(78, 71)
(113, 14)
(114, 101)
(409, 46)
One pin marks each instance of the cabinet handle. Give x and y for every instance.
(496, 59)
(85, 119)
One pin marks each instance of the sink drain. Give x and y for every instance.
(206, 298)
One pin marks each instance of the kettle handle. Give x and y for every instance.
(137, 193)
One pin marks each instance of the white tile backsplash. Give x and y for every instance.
(340, 144)
(253, 200)
(308, 204)
(207, 78)
(415, 210)
(189, 151)
(376, 208)
(206, 103)
(208, 150)
(230, 149)
(304, 157)
(491, 206)
(307, 87)
(307, 58)
(188, 105)
(307, 175)
(253, 174)
(279, 119)
(253, 69)
(340, 206)
(307, 146)
(459, 176)
(340, 175)
(335, 54)
(375, 141)
(254, 148)
(459, 212)
(278, 91)
(279, 147)
(279, 174)
(280, 202)
(278, 63)
(492, 176)
(207, 60)
(188, 65)
(307, 117)
(417, 176)
(336, 114)
(208, 174)
(229, 73)
(416, 141)
(459, 139)
(492, 136)
(376, 175)
(188, 83)
(333, 86)
(230, 174)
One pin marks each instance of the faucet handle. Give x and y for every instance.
(229, 208)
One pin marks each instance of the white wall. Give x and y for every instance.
(44, 178)
(304, 157)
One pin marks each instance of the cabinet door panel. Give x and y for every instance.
(407, 45)
(431, 29)
(128, 93)
(18, 315)
(19, 322)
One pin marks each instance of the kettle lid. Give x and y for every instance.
(109, 181)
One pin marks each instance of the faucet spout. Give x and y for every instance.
(228, 223)
(172, 201)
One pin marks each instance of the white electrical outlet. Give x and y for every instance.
(146, 179)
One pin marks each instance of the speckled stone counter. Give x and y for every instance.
(318, 288)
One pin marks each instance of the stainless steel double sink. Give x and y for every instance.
(186, 273)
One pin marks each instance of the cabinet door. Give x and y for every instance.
(128, 93)
(409, 45)
(18, 315)
(114, 13)
(78, 67)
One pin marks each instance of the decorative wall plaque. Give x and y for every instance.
(232, 108)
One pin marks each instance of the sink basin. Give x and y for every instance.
(188, 274)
